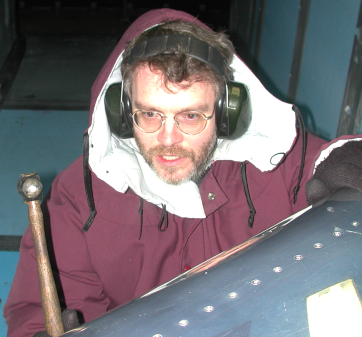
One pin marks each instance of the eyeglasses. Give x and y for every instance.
(189, 122)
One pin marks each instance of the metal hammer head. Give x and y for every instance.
(30, 187)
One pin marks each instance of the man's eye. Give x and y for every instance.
(190, 116)
(149, 114)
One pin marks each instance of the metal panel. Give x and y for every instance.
(325, 63)
(298, 50)
(30, 142)
(7, 28)
(277, 45)
(258, 288)
(245, 18)
(351, 110)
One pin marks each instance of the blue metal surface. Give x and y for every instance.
(326, 57)
(268, 301)
(327, 54)
(277, 45)
(42, 141)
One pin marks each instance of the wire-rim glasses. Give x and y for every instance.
(189, 122)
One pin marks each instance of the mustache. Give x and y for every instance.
(175, 150)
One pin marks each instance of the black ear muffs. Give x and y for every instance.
(233, 110)
(119, 111)
(236, 112)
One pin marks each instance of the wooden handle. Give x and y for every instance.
(49, 297)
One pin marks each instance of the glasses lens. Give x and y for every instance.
(148, 121)
(190, 122)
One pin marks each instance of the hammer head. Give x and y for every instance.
(30, 187)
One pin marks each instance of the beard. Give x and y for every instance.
(200, 160)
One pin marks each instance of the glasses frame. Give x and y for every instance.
(163, 119)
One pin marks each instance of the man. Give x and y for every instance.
(169, 182)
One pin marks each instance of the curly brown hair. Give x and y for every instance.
(176, 66)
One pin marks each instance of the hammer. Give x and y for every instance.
(30, 188)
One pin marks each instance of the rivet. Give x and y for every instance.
(211, 196)
(209, 308)
(298, 257)
(330, 209)
(233, 295)
(337, 234)
(184, 322)
(277, 269)
(355, 223)
(157, 335)
(318, 245)
(255, 282)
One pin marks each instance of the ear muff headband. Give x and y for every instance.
(118, 105)
(166, 44)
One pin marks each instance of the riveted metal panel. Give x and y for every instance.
(258, 288)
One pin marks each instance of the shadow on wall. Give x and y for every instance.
(307, 114)
(47, 180)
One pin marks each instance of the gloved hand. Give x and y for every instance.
(342, 168)
(70, 321)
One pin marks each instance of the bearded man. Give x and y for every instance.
(185, 156)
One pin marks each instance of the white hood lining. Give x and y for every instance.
(119, 163)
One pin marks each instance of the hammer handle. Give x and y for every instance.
(49, 296)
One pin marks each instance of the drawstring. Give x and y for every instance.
(247, 195)
(88, 183)
(304, 144)
(140, 212)
(164, 218)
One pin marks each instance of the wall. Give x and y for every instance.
(330, 31)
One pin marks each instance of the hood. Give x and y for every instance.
(119, 163)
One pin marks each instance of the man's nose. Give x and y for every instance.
(169, 134)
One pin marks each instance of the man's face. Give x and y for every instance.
(176, 157)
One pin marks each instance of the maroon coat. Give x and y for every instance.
(108, 265)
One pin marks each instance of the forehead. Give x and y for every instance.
(149, 91)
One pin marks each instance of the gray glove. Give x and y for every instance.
(70, 321)
(341, 169)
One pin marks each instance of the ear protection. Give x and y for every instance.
(232, 110)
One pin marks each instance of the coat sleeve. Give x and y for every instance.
(338, 166)
(334, 163)
(71, 266)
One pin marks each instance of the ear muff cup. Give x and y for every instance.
(219, 109)
(127, 110)
(118, 112)
(237, 113)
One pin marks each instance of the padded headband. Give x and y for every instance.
(166, 44)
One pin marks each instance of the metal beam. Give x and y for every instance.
(298, 50)
(351, 110)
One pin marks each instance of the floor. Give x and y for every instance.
(45, 111)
